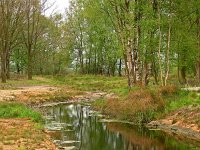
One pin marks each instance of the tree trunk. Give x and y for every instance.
(160, 44)
(8, 67)
(18, 68)
(168, 51)
(89, 65)
(120, 67)
(136, 52)
(198, 71)
(145, 74)
(29, 64)
(178, 68)
(81, 61)
(130, 65)
(198, 61)
(3, 67)
(183, 74)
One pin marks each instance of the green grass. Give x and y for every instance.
(116, 85)
(181, 99)
(13, 84)
(15, 110)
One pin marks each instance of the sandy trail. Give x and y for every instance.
(25, 92)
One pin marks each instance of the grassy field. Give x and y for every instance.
(116, 85)
(79, 82)
(140, 104)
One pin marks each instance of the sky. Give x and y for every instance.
(59, 6)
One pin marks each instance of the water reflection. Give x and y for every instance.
(83, 131)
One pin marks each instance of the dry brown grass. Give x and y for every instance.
(168, 90)
(137, 107)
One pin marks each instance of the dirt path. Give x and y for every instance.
(23, 94)
(21, 134)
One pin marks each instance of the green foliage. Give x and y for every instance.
(16, 110)
(95, 38)
(99, 31)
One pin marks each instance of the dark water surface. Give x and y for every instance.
(78, 128)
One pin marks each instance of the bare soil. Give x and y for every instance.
(185, 123)
(38, 94)
(23, 94)
(21, 134)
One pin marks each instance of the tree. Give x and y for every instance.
(33, 29)
(10, 19)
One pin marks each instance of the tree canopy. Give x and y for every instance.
(149, 41)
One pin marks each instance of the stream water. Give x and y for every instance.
(75, 126)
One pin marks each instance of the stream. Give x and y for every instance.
(76, 126)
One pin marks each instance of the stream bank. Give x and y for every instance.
(183, 123)
(35, 96)
(143, 105)
(76, 126)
